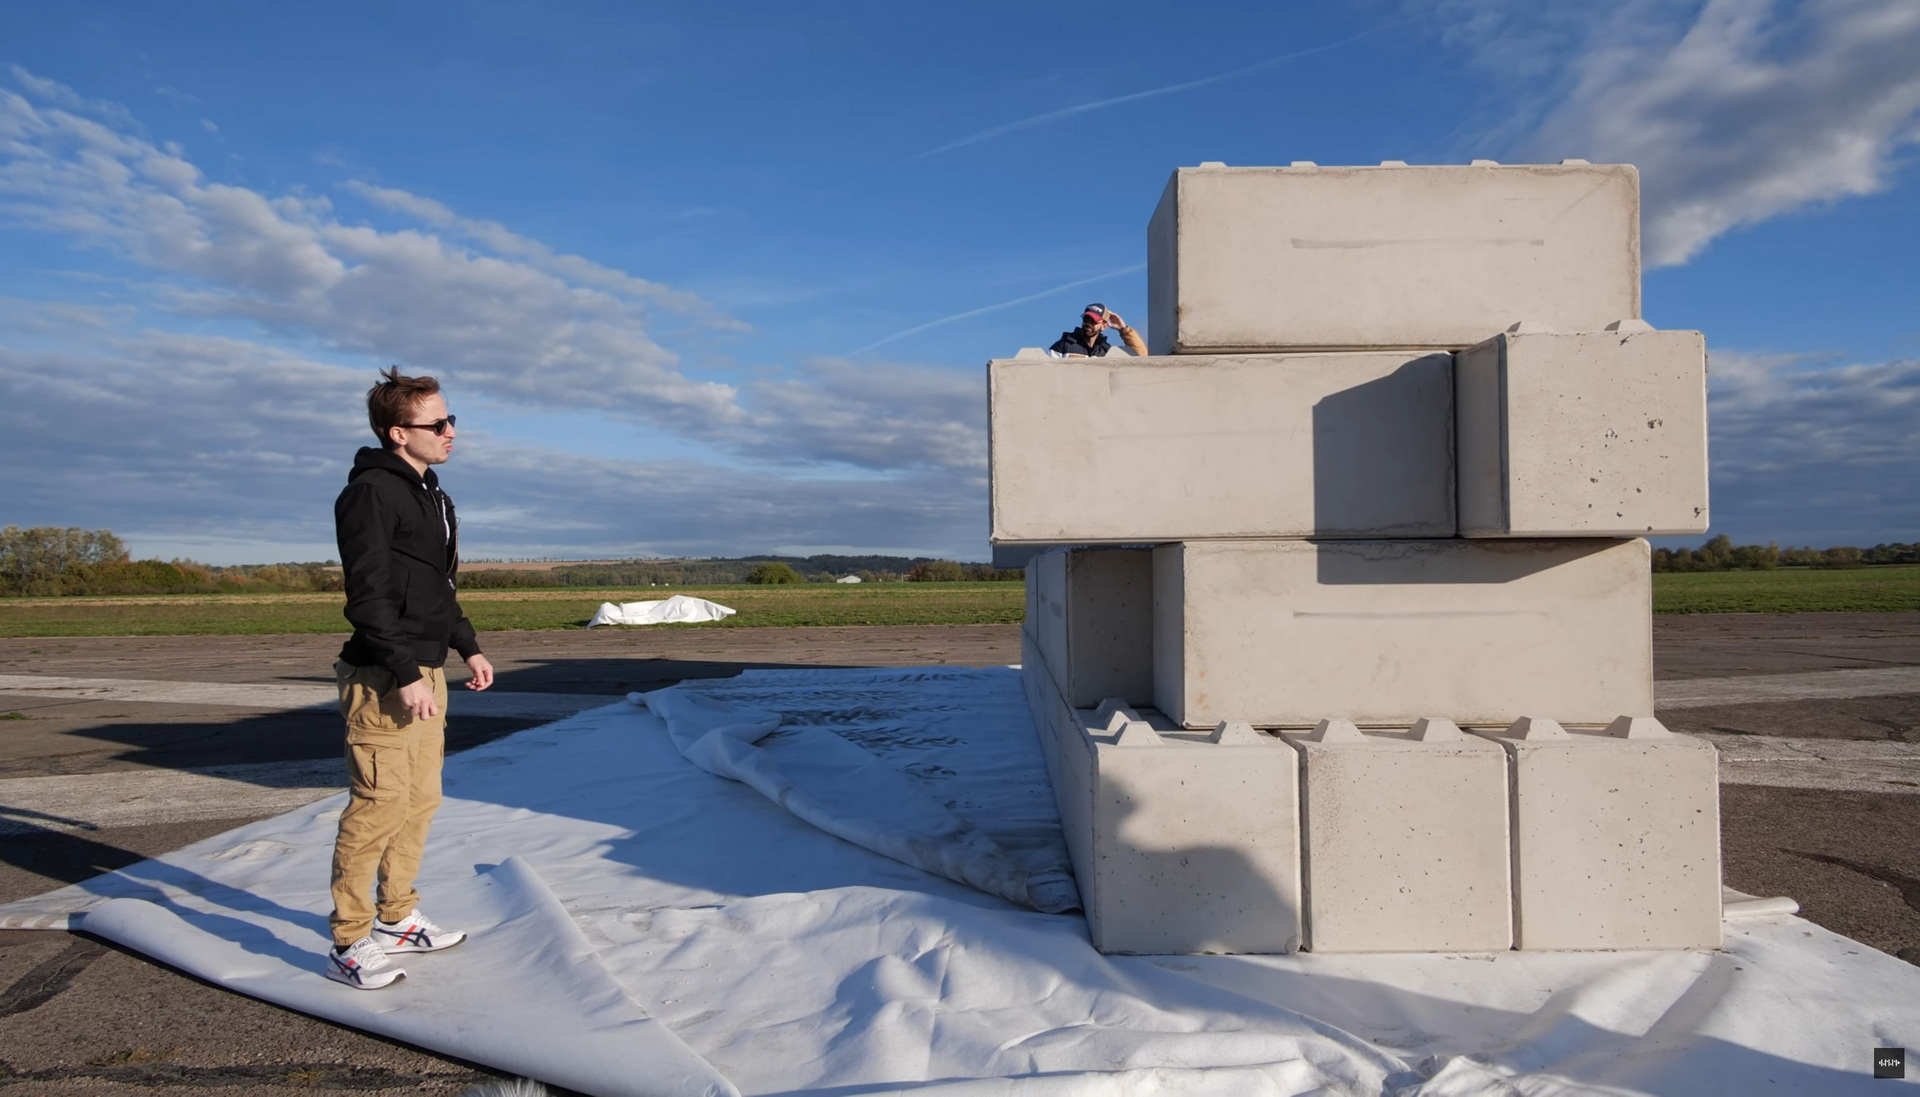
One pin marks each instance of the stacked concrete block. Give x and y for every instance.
(1616, 836)
(1399, 438)
(1283, 633)
(1091, 618)
(1593, 434)
(1382, 875)
(1308, 257)
(1181, 843)
(1131, 450)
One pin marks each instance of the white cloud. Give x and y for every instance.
(514, 319)
(238, 446)
(494, 312)
(871, 416)
(1736, 111)
(1808, 451)
(502, 241)
(236, 451)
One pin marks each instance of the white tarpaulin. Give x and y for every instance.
(793, 962)
(851, 793)
(678, 609)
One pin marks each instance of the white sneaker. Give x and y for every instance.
(362, 965)
(414, 933)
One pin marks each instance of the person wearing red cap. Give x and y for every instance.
(1086, 341)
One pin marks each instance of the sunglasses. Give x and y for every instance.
(438, 426)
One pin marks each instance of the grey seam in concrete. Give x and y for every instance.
(276, 697)
(1763, 688)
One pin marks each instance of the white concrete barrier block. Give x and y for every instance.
(1249, 259)
(1630, 326)
(1112, 714)
(1436, 729)
(1406, 844)
(1616, 841)
(1091, 614)
(1335, 731)
(1535, 729)
(1637, 727)
(1182, 846)
(1233, 733)
(1279, 633)
(1140, 450)
(1583, 434)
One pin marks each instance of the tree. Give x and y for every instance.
(1717, 554)
(32, 560)
(774, 572)
(1756, 557)
(936, 571)
(1843, 556)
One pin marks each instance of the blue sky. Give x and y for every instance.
(719, 279)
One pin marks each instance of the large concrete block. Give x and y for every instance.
(1179, 844)
(1250, 259)
(1588, 434)
(1182, 448)
(1282, 633)
(1616, 836)
(1405, 840)
(1091, 615)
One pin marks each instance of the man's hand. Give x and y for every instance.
(482, 672)
(1114, 321)
(417, 696)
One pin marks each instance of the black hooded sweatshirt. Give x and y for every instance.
(400, 551)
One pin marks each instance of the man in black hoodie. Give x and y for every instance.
(399, 550)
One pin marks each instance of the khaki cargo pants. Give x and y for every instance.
(393, 773)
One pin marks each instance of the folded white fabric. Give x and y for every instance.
(847, 792)
(678, 609)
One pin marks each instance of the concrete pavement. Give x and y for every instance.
(126, 747)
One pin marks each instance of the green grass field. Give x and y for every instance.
(492, 610)
(1880, 589)
(1864, 590)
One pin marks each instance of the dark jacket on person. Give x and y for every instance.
(1075, 342)
(400, 551)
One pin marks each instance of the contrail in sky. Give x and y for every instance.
(995, 308)
(1151, 93)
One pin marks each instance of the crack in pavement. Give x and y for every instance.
(48, 979)
(1907, 886)
(332, 1075)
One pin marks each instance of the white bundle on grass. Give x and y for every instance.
(678, 608)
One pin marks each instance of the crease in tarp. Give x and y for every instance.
(526, 993)
(846, 791)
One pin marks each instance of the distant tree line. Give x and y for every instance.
(50, 561)
(1721, 554)
(823, 568)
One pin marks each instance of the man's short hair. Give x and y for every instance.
(391, 402)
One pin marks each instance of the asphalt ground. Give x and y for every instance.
(79, 1016)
